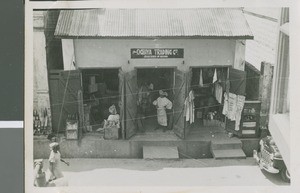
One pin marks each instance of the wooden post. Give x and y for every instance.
(265, 86)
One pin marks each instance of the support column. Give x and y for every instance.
(265, 87)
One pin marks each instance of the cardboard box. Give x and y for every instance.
(111, 132)
(71, 134)
(102, 88)
(199, 115)
(72, 130)
(92, 80)
(93, 88)
(213, 122)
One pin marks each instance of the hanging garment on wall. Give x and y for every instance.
(215, 78)
(231, 106)
(218, 92)
(225, 107)
(240, 101)
(200, 78)
(189, 108)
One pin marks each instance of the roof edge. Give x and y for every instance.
(155, 37)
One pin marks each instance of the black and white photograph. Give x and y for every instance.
(158, 97)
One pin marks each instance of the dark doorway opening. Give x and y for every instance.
(100, 91)
(208, 110)
(150, 81)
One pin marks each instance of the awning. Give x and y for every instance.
(147, 23)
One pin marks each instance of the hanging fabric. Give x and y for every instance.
(240, 101)
(218, 92)
(215, 78)
(225, 107)
(200, 78)
(189, 107)
(232, 106)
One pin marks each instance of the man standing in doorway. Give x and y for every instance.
(162, 103)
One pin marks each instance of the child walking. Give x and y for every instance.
(54, 162)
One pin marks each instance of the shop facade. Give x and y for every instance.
(109, 54)
(119, 65)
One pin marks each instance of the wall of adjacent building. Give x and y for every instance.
(40, 73)
(264, 26)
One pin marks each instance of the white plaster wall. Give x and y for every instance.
(68, 54)
(96, 53)
(41, 88)
(239, 57)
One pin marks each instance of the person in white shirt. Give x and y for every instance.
(162, 103)
(114, 118)
(54, 170)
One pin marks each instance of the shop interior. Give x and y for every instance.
(100, 91)
(152, 80)
(208, 106)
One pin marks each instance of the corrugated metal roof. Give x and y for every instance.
(208, 22)
(263, 47)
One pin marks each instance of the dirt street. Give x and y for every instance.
(185, 172)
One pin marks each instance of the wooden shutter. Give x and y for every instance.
(237, 80)
(81, 126)
(122, 101)
(64, 87)
(130, 105)
(180, 89)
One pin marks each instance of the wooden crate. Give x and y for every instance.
(111, 132)
(72, 130)
(213, 123)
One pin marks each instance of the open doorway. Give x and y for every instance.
(150, 81)
(209, 84)
(100, 91)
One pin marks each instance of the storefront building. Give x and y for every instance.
(109, 54)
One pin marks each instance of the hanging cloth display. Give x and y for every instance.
(240, 101)
(200, 78)
(189, 107)
(233, 107)
(218, 92)
(225, 106)
(215, 78)
(231, 111)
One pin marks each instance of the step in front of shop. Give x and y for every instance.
(229, 154)
(227, 149)
(229, 144)
(160, 152)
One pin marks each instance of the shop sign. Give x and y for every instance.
(149, 53)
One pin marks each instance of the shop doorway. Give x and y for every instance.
(100, 91)
(209, 84)
(149, 82)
